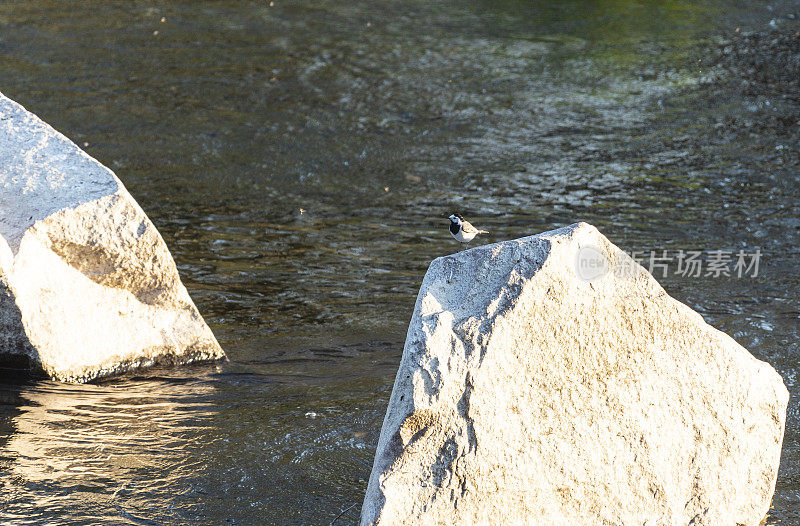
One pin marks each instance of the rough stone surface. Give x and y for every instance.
(528, 395)
(87, 285)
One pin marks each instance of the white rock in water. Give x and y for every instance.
(87, 285)
(533, 390)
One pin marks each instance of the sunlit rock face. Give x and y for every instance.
(87, 285)
(551, 380)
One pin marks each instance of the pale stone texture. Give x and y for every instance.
(527, 395)
(87, 285)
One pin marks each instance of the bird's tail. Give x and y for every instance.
(483, 231)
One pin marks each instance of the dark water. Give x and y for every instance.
(298, 160)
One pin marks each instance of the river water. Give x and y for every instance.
(299, 159)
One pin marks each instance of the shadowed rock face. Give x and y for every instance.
(531, 392)
(87, 285)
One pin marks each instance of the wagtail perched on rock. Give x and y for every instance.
(462, 229)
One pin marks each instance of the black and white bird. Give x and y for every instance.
(462, 229)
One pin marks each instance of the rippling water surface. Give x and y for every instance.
(299, 160)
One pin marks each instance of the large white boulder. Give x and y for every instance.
(87, 285)
(537, 388)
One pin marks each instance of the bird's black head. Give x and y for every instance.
(455, 216)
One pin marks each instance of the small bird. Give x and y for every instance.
(462, 229)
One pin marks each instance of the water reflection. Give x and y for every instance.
(207, 444)
(81, 449)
